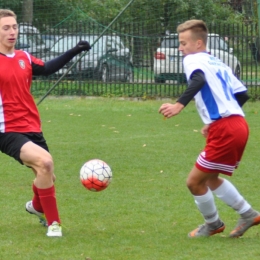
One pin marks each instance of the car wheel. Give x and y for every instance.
(105, 73)
(159, 80)
(238, 72)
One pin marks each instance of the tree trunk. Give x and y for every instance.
(237, 5)
(27, 11)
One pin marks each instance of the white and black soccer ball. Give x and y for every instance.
(95, 175)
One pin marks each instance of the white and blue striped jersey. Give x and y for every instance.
(216, 98)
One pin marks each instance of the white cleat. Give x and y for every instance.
(29, 208)
(54, 230)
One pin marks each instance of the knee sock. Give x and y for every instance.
(36, 200)
(49, 204)
(230, 195)
(207, 207)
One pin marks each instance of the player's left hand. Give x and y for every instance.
(169, 110)
(82, 46)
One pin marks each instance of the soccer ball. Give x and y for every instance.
(95, 175)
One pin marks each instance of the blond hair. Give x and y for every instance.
(198, 28)
(7, 13)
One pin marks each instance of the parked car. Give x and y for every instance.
(168, 59)
(49, 40)
(29, 39)
(108, 60)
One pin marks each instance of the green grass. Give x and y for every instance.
(147, 211)
(95, 88)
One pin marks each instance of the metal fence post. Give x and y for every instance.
(258, 15)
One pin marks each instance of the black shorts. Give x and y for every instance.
(11, 143)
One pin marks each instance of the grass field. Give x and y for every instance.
(147, 211)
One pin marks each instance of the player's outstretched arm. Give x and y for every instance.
(55, 64)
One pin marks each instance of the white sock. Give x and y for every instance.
(230, 195)
(207, 207)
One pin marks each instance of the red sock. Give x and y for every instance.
(49, 204)
(36, 200)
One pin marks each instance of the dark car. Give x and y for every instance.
(108, 60)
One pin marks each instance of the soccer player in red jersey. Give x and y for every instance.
(219, 96)
(21, 136)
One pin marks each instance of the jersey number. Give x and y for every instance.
(226, 84)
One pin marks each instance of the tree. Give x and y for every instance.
(27, 11)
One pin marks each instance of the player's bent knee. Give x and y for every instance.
(189, 184)
(194, 186)
(46, 165)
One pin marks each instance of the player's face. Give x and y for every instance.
(188, 44)
(8, 34)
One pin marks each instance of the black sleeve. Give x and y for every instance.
(241, 97)
(195, 84)
(53, 65)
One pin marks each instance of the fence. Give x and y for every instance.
(233, 42)
(135, 58)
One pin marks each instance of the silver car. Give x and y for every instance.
(108, 60)
(29, 39)
(168, 59)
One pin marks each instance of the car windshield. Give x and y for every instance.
(30, 39)
(170, 43)
(217, 43)
(67, 43)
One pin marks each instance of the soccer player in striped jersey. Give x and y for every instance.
(21, 135)
(219, 96)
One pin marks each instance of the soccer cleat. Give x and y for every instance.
(205, 231)
(29, 208)
(244, 224)
(54, 230)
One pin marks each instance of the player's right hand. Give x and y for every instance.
(168, 110)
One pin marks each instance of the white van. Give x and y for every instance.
(29, 39)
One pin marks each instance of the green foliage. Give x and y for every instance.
(10, 4)
(164, 13)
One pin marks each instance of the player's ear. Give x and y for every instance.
(200, 43)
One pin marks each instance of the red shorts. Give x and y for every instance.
(226, 141)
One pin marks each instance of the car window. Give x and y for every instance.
(111, 44)
(223, 45)
(214, 42)
(170, 43)
(67, 43)
(119, 43)
(103, 43)
(31, 39)
(22, 39)
(217, 43)
(35, 39)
